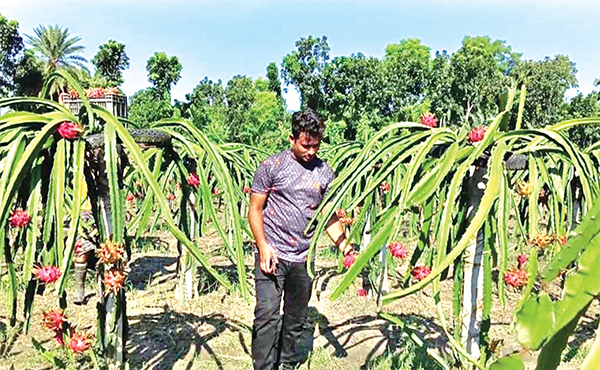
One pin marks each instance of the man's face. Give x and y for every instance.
(305, 147)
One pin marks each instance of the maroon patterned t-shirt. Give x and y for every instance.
(294, 192)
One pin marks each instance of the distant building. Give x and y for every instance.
(110, 99)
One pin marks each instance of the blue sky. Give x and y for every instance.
(221, 39)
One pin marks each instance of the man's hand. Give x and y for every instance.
(268, 259)
(348, 249)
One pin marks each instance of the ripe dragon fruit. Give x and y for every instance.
(361, 292)
(54, 320)
(69, 130)
(79, 343)
(476, 135)
(19, 218)
(193, 180)
(130, 197)
(349, 260)
(47, 274)
(384, 187)
(516, 278)
(398, 250)
(429, 120)
(94, 92)
(420, 272)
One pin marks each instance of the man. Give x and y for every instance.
(288, 188)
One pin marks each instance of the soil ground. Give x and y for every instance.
(213, 331)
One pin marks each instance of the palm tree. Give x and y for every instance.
(57, 50)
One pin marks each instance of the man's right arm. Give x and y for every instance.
(267, 254)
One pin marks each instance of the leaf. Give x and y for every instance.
(534, 321)
(592, 360)
(513, 362)
(78, 198)
(161, 201)
(552, 350)
(382, 235)
(490, 194)
(585, 232)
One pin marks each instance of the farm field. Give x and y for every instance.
(213, 331)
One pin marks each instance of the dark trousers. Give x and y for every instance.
(275, 337)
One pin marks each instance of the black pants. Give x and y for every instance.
(273, 341)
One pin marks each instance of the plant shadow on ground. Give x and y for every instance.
(158, 341)
(151, 269)
(404, 352)
(585, 331)
(393, 348)
(156, 270)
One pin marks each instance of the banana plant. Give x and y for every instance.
(429, 169)
(44, 171)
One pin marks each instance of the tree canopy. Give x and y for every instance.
(163, 72)
(110, 62)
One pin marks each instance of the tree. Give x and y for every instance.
(580, 107)
(303, 68)
(547, 82)
(479, 69)
(20, 72)
(28, 78)
(407, 70)
(206, 108)
(110, 61)
(354, 87)
(163, 73)
(273, 77)
(57, 49)
(148, 106)
(439, 88)
(11, 45)
(241, 95)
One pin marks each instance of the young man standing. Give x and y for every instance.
(288, 187)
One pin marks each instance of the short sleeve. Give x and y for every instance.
(329, 177)
(262, 178)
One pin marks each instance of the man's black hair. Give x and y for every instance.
(307, 121)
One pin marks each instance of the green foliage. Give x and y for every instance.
(163, 73)
(478, 72)
(582, 106)
(11, 45)
(407, 69)
(273, 77)
(304, 67)
(20, 73)
(439, 89)
(110, 62)
(148, 106)
(54, 46)
(240, 94)
(547, 81)
(246, 111)
(354, 87)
